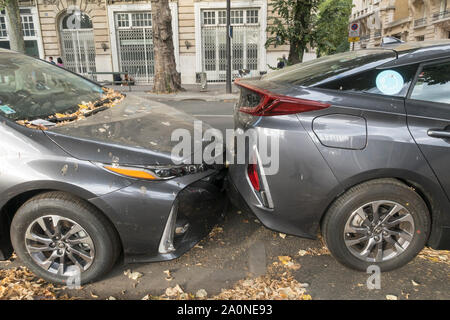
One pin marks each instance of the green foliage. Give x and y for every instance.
(331, 30)
(323, 24)
(291, 23)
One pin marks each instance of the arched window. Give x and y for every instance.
(75, 21)
(77, 42)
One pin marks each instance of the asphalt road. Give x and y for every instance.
(243, 248)
(218, 114)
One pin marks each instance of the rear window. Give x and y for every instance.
(329, 68)
(371, 81)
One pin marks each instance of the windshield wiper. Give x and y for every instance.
(99, 106)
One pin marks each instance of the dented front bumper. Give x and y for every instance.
(159, 221)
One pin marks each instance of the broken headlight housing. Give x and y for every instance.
(158, 172)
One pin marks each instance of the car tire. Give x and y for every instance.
(94, 244)
(351, 218)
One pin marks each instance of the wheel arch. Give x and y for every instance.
(9, 207)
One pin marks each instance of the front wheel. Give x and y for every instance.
(63, 239)
(380, 222)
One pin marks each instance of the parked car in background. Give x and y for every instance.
(364, 140)
(87, 175)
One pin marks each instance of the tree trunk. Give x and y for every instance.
(166, 79)
(295, 53)
(302, 14)
(15, 31)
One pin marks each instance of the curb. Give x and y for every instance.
(184, 97)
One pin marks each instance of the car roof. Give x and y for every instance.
(416, 45)
(417, 52)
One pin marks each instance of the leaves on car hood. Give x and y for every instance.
(109, 99)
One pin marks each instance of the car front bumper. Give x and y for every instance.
(147, 214)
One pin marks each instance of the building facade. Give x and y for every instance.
(110, 35)
(408, 20)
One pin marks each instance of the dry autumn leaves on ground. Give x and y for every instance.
(278, 284)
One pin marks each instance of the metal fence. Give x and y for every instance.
(441, 15)
(244, 51)
(420, 22)
(136, 54)
(78, 50)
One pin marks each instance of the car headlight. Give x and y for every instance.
(156, 172)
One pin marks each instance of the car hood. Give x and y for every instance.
(136, 131)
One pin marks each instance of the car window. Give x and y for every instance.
(329, 68)
(433, 84)
(391, 82)
(31, 88)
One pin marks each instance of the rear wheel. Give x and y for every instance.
(63, 239)
(380, 222)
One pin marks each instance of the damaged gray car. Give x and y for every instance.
(87, 176)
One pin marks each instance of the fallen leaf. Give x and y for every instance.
(282, 235)
(284, 259)
(201, 294)
(171, 292)
(168, 275)
(265, 288)
(133, 275)
(391, 297)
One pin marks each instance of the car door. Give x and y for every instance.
(428, 109)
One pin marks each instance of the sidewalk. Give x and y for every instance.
(215, 92)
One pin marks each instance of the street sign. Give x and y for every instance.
(353, 32)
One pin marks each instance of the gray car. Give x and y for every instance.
(87, 175)
(364, 152)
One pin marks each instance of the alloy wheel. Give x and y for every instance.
(379, 231)
(59, 245)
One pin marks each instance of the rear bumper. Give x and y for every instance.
(279, 219)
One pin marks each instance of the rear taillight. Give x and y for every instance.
(252, 172)
(271, 104)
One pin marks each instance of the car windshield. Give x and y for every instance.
(33, 89)
(330, 68)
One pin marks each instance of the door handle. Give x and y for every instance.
(442, 134)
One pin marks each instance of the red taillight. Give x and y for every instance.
(276, 105)
(252, 172)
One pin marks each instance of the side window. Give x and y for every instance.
(391, 82)
(433, 84)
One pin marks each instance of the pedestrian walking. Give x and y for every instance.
(60, 63)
